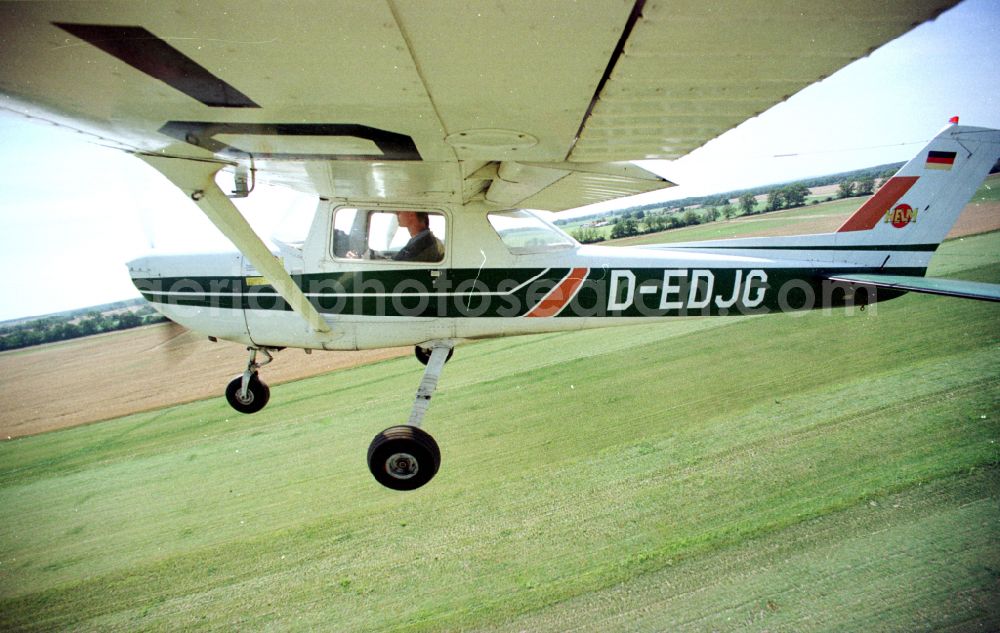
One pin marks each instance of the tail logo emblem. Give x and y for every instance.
(901, 215)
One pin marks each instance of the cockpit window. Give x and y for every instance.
(412, 236)
(524, 232)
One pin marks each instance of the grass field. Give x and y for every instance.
(817, 472)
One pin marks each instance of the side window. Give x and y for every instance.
(414, 236)
(348, 232)
(524, 232)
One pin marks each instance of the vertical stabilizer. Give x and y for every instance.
(921, 203)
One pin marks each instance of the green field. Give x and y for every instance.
(989, 191)
(740, 226)
(816, 472)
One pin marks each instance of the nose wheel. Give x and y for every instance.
(252, 399)
(247, 393)
(406, 457)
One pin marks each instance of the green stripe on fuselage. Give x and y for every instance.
(510, 293)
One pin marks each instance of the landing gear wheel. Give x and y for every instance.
(258, 393)
(424, 355)
(403, 457)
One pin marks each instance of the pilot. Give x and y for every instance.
(423, 245)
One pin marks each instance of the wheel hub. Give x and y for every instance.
(401, 466)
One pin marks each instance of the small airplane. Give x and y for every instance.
(428, 140)
(510, 272)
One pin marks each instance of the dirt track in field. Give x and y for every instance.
(102, 377)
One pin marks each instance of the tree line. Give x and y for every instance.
(632, 223)
(653, 219)
(54, 328)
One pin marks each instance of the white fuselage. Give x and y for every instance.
(485, 288)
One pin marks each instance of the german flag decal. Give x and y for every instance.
(940, 160)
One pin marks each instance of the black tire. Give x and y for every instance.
(424, 355)
(258, 393)
(403, 457)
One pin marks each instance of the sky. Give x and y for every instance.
(72, 213)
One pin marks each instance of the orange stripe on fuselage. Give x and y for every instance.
(560, 295)
(872, 211)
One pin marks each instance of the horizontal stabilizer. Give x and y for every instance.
(928, 285)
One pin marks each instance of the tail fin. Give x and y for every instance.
(921, 203)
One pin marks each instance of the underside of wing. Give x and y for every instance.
(691, 70)
(513, 102)
(928, 285)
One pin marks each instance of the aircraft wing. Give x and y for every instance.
(927, 285)
(516, 102)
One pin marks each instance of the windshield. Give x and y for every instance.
(524, 232)
(291, 228)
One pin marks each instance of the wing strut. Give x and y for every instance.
(196, 178)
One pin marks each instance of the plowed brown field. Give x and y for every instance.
(101, 377)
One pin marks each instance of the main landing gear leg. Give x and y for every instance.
(406, 457)
(248, 393)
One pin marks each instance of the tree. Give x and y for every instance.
(775, 200)
(728, 211)
(711, 214)
(33, 337)
(795, 195)
(866, 186)
(129, 320)
(655, 222)
(747, 203)
(13, 340)
(587, 235)
(625, 228)
(846, 189)
(88, 326)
